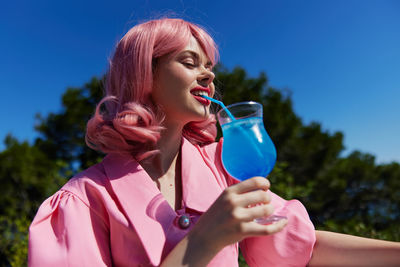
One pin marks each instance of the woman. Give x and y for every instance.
(161, 196)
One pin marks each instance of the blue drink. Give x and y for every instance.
(247, 150)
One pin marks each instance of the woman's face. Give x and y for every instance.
(178, 81)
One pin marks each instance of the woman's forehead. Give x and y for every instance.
(194, 46)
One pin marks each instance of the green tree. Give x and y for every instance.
(357, 190)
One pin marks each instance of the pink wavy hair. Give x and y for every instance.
(127, 120)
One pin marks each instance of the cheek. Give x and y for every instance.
(167, 91)
(179, 72)
(176, 84)
(181, 78)
(172, 82)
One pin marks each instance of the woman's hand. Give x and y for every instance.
(231, 218)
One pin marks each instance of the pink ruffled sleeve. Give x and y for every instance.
(67, 232)
(292, 246)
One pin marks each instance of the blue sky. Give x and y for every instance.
(340, 59)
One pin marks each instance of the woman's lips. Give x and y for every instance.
(202, 100)
(198, 97)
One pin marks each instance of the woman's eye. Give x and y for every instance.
(189, 64)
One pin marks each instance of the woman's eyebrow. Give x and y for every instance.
(192, 53)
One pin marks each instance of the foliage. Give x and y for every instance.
(349, 194)
(14, 240)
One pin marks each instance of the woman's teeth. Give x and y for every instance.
(200, 93)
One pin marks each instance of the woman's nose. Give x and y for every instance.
(206, 77)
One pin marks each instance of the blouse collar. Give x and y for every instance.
(136, 192)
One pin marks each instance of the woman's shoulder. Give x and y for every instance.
(74, 213)
(90, 187)
(98, 181)
(87, 180)
(87, 190)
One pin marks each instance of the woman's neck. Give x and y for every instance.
(164, 168)
(169, 146)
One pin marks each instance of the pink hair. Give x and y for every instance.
(129, 121)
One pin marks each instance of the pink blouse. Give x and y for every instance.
(113, 214)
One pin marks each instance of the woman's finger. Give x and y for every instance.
(251, 184)
(254, 197)
(260, 211)
(250, 214)
(256, 229)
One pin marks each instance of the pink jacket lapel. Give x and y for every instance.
(135, 191)
(199, 181)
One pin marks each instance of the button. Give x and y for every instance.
(184, 221)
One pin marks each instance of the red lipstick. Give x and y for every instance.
(198, 97)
